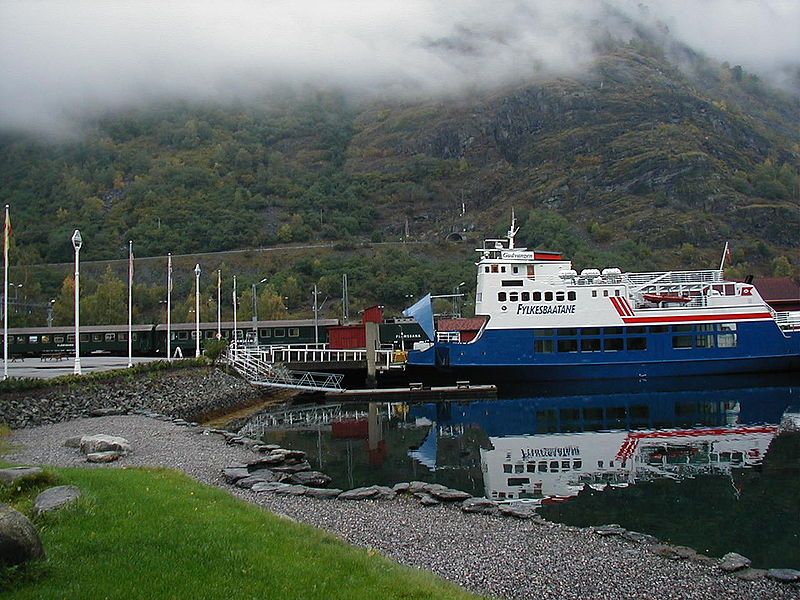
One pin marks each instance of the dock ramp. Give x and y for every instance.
(255, 366)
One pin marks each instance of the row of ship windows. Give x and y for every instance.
(535, 296)
(544, 466)
(679, 342)
(595, 331)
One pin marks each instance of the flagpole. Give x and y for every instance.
(234, 315)
(219, 304)
(130, 303)
(5, 295)
(169, 306)
(724, 254)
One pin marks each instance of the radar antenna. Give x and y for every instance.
(513, 230)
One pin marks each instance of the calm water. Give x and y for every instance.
(694, 466)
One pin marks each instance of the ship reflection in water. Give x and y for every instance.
(670, 462)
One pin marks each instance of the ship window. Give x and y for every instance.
(501, 296)
(637, 343)
(537, 296)
(559, 296)
(682, 341)
(590, 345)
(567, 332)
(554, 466)
(548, 296)
(726, 340)
(518, 481)
(525, 296)
(590, 331)
(565, 464)
(519, 468)
(494, 268)
(616, 292)
(542, 467)
(577, 464)
(705, 327)
(612, 331)
(678, 328)
(542, 332)
(58, 339)
(515, 269)
(502, 268)
(479, 296)
(567, 345)
(507, 468)
(704, 341)
(543, 345)
(605, 293)
(486, 269)
(594, 293)
(530, 271)
(599, 464)
(636, 329)
(659, 329)
(570, 295)
(727, 327)
(512, 282)
(513, 297)
(612, 344)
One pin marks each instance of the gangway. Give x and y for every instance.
(253, 365)
(301, 418)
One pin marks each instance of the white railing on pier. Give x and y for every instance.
(386, 359)
(253, 365)
(299, 418)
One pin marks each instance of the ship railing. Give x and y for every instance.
(640, 281)
(787, 320)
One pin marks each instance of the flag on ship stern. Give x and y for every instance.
(422, 313)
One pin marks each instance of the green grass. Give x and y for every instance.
(140, 533)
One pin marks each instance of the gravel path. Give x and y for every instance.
(490, 555)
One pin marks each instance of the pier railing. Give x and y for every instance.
(253, 365)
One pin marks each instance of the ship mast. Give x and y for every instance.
(513, 230)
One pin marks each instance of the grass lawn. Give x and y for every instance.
(147, 533)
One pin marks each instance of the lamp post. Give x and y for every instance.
(457, 299)
(197, 311)
(169, 307)
(219, 304)
(255, 306)
(77, 242)
(235, 323)
(50, 312)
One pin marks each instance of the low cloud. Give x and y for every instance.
(61, 61)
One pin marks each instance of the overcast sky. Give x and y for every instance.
(60, 60)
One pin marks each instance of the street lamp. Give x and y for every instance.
(197, 311)
(255, 306)
(77, 242)
(456, 299)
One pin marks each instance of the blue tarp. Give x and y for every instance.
(422, 313)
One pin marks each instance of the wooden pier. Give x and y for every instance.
(416, 393)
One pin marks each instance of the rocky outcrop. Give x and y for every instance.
(191, 394)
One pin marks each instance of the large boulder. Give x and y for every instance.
(55, 497)
(733, 562)
(104, 443)
(373, 492)
(19, 540)
(12, 475)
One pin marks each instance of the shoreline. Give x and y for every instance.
(486, 554)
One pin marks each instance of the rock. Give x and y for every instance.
(55, 497)
(268, 487)
(441, 492)
(750, 574)
(310, 479)
(673, 552)
(73, 442)
(267, 461)
(19, 540)
(733, 562)
(640, 538)
(103, 457)
(268, 475)
(785, 575)
(291, 490)
(376, 492)
(401, 487)
(248, 482)
(234, 474)
(479, 505)
(269, 447)
(295, 468)
(684, 552)
(106, 412)
(104, 443)
(12, 475)
(426, 499)
(287, 454)
(323, 493)
(416, 486)
(606, 530)
(515, 510)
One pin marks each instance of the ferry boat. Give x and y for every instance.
(544, 321)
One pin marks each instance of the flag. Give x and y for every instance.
(7, 232)
(422, 313)
(728, 253)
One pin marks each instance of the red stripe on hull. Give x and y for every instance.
(684, 318)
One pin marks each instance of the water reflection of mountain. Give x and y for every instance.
(552, 447)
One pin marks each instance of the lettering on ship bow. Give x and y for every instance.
(538, 309)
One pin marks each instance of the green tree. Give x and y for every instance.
(109, 303)
(781, 267)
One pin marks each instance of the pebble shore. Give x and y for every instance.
(490, 555)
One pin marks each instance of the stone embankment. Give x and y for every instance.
(191, 394)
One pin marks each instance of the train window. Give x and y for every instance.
(280, 333)
(33, 339)
(21, 339)
(97, 337)
(45, 339)
(58, 339)
(548, 296)
(111, 337)
(264, 332)
(183, 335)
(571, 296)
(210, 334)
(71, 338)
(122, 337)
(294, 332)
(84, 337)
(194, 334)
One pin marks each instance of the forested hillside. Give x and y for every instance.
(639, 163)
